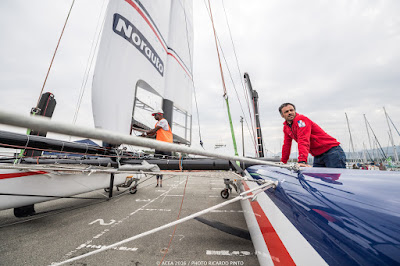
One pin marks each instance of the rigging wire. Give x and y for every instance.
(394, 125)
(89, 63)
(233, 83)
(387, 147)
(233, 45)
(376, 139)
(198, 117)
(219, 58)
(191, 66)
(225, 95)
(241, 81)
(237, 94)
(179, 214)
(55, 52)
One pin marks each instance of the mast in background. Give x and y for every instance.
(241, 122)
(396, 157)
(369, 138)
(384, 157)
(351, 139)
(254, 96)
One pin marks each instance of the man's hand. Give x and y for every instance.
(303, 164)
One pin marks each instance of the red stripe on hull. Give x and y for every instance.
(13, 175)
(277, 250)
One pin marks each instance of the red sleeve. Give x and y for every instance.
(303, 138)
(287, 145)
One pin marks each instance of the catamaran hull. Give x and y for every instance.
(20, 187)
(274, 237)
(321, 215)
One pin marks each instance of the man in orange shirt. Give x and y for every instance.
(163, 132)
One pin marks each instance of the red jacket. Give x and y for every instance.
(309, 136)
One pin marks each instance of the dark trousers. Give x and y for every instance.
(333, 158)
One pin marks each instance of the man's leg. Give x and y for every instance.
(157, 176)
(161, 180)
(335, 158)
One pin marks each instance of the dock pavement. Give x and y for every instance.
(66, 228)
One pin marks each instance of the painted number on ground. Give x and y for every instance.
(101, 222)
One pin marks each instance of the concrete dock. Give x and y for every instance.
(66, 228)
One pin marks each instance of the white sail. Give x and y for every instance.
(179, 85)
(146, 44)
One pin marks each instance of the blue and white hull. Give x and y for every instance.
(325, 216)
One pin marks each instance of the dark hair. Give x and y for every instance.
(284, 105)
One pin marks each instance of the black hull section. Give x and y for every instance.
(15, 140)
(163, 164)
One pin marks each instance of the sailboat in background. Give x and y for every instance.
(396, 156)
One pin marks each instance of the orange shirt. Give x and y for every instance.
(162, 134)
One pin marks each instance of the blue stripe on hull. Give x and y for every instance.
(349, 216)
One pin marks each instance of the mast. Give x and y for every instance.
(365, 152)
(396, 158)
(254, 96)
(394, 125)
(351, 139)
(369, 138)
(376, 139)
(241, 121)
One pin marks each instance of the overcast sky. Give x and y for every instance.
(326, 57)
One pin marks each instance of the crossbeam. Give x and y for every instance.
(45, 124)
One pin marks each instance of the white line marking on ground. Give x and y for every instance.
(161, 210)
(101, 222)
(120, 221)
(143, 200)
(102, 233)
(101, 246)
(180, 236)
(225, 211)
(227, 253)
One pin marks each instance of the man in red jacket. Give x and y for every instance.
(311, 139)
